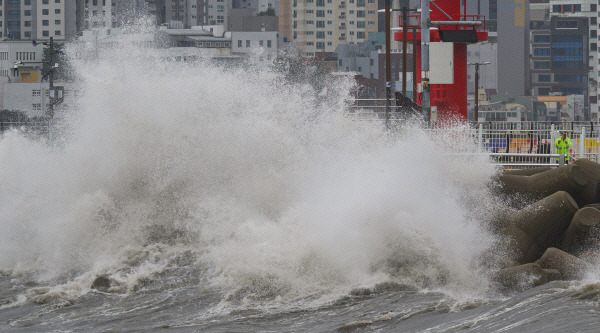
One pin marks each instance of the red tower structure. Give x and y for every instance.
(448, 25)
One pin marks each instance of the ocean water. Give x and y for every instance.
(230, 199)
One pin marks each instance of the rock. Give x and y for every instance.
(101, 283)
(570, 178)
(522, 277)
(569, 266)
(540, 225)
(579, 228)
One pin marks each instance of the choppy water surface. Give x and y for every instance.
(226, 199)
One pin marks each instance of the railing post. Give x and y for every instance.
(552, 139)
(480, 137)
(582, 142)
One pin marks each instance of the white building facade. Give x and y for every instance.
(320, 25)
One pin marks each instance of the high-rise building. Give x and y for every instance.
(184, 14)
(38, 19)
(587, 9)
(320, 25)
(513, 49)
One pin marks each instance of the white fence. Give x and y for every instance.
(512, 145)
(584, 137)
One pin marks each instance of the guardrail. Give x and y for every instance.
(522, 161)
(512, 145)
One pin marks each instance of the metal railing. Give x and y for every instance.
(511, 145)
(524, 161)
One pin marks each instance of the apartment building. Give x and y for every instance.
(320, 25)
(185, 14)
(587, 9)
(38, 19)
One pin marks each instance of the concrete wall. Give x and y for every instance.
(31, 98)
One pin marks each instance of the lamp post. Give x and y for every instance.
(476, 110)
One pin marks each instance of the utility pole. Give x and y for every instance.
(50, 112)
(414, 63)
(388, 63)
(425, 23)
(404, 44)
(476, 111)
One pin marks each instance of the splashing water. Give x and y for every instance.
(268, 190)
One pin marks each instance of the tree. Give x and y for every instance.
(268, 12)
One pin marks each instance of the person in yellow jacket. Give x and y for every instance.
(562, 145)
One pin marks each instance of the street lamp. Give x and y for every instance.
(476, 111)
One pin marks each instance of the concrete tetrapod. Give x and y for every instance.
(590, 194)
(540, 225)
(569, 266)
(570, 178)
(583, 221)
(528, 172)
(522, 277)
(101, 283)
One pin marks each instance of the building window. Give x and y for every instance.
(45, 11)
(541, 65)
(565, 24)
(45, 33)
(544, 78)
(57, 33)
(57, 11)
(45, 23)
(541, 52)
(269, 43)
(240, 43)
(247, 43)
(57, 22)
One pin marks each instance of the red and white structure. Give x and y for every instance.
(450, 30)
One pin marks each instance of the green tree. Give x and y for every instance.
(268, 12)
